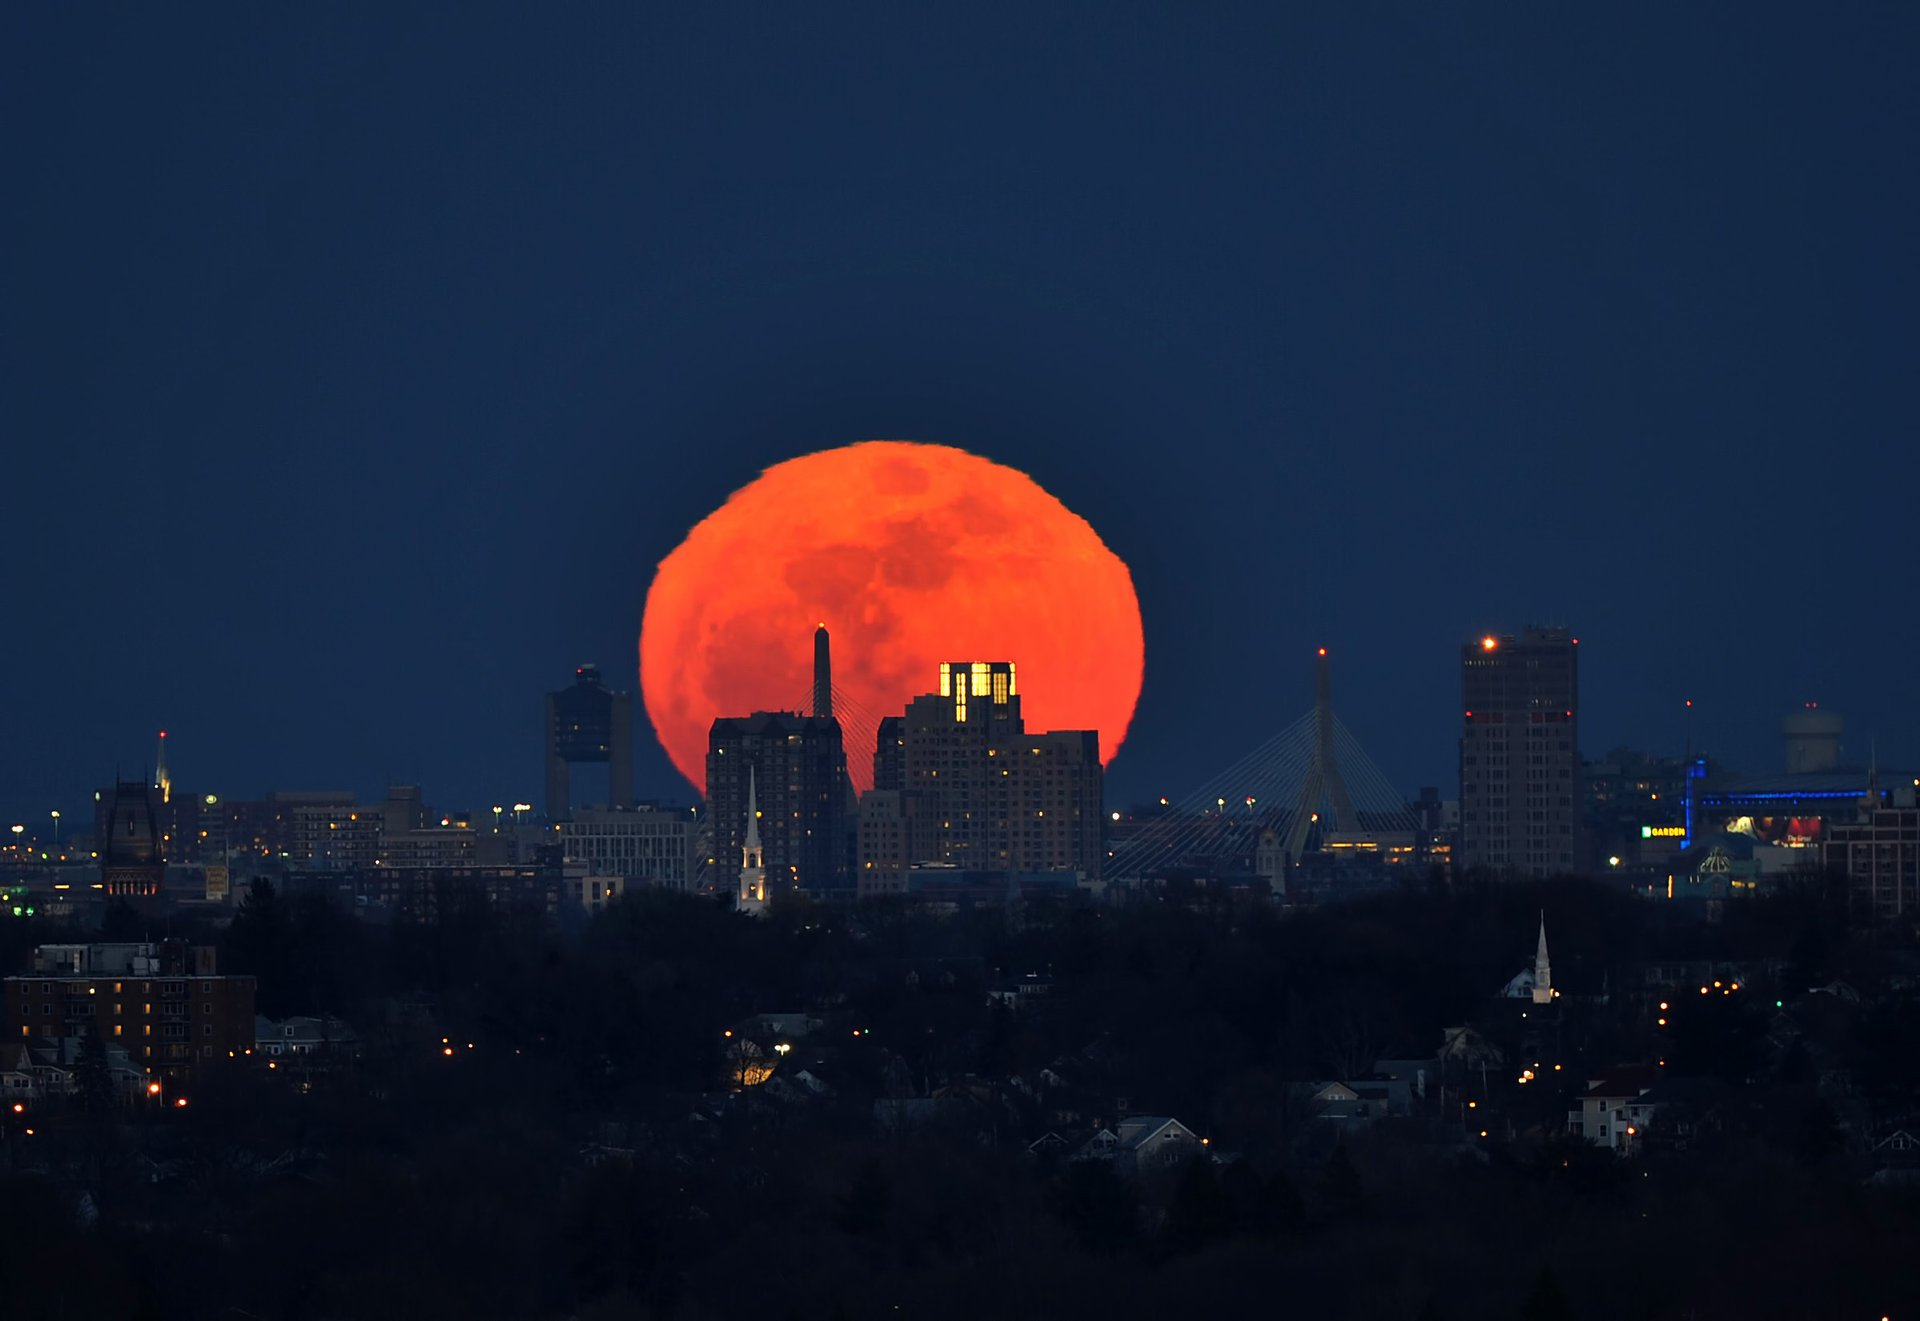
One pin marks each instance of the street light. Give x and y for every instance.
(56, 829)
(497, 810)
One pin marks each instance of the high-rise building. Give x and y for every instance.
(796, 767)
(893, 832)
(958, 780)
(1519, 752)
(588, 723)
(331, 831)
(1880, 853)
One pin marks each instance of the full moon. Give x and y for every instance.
(910, 554)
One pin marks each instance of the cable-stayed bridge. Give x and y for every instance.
(1309, 787)
(859, 727)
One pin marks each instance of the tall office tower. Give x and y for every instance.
(959, 780)
(795, 767)
(1519, 752)
(890, 754)
(588, 723)
(949, 761)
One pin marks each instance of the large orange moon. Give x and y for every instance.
(911, 554)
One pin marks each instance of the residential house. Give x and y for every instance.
(1615, 1108)
(1151, 1142)
(302, 1036)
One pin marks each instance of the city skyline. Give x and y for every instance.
(866, 661)
(1764, 738)
(1455, 337)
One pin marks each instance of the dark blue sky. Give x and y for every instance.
(358, 367)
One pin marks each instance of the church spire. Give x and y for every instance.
(753, 868)
(1542, 968)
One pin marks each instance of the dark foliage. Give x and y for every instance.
(540, 1124)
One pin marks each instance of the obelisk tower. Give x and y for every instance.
(822, 673)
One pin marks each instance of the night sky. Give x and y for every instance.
(358, 367)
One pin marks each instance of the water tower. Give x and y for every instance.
(1813, 739)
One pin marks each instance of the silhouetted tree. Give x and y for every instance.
(1097, 1205)
(94, 1077)
(862, 1208)
(1199, 1212)
(1547, 1301)
(1340, 1186)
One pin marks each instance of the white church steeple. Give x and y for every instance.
(753, 862)
(1542, 968)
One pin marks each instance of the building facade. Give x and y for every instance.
(796, 768)
(588, 723)
(132, 844)
(1880, 856)
(1520, 803)
(164, 1003)
(643, 846)
(959, 781)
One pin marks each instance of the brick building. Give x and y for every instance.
(163, 1003)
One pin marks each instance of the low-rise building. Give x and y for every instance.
(1615, 1109)
(643, 846)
